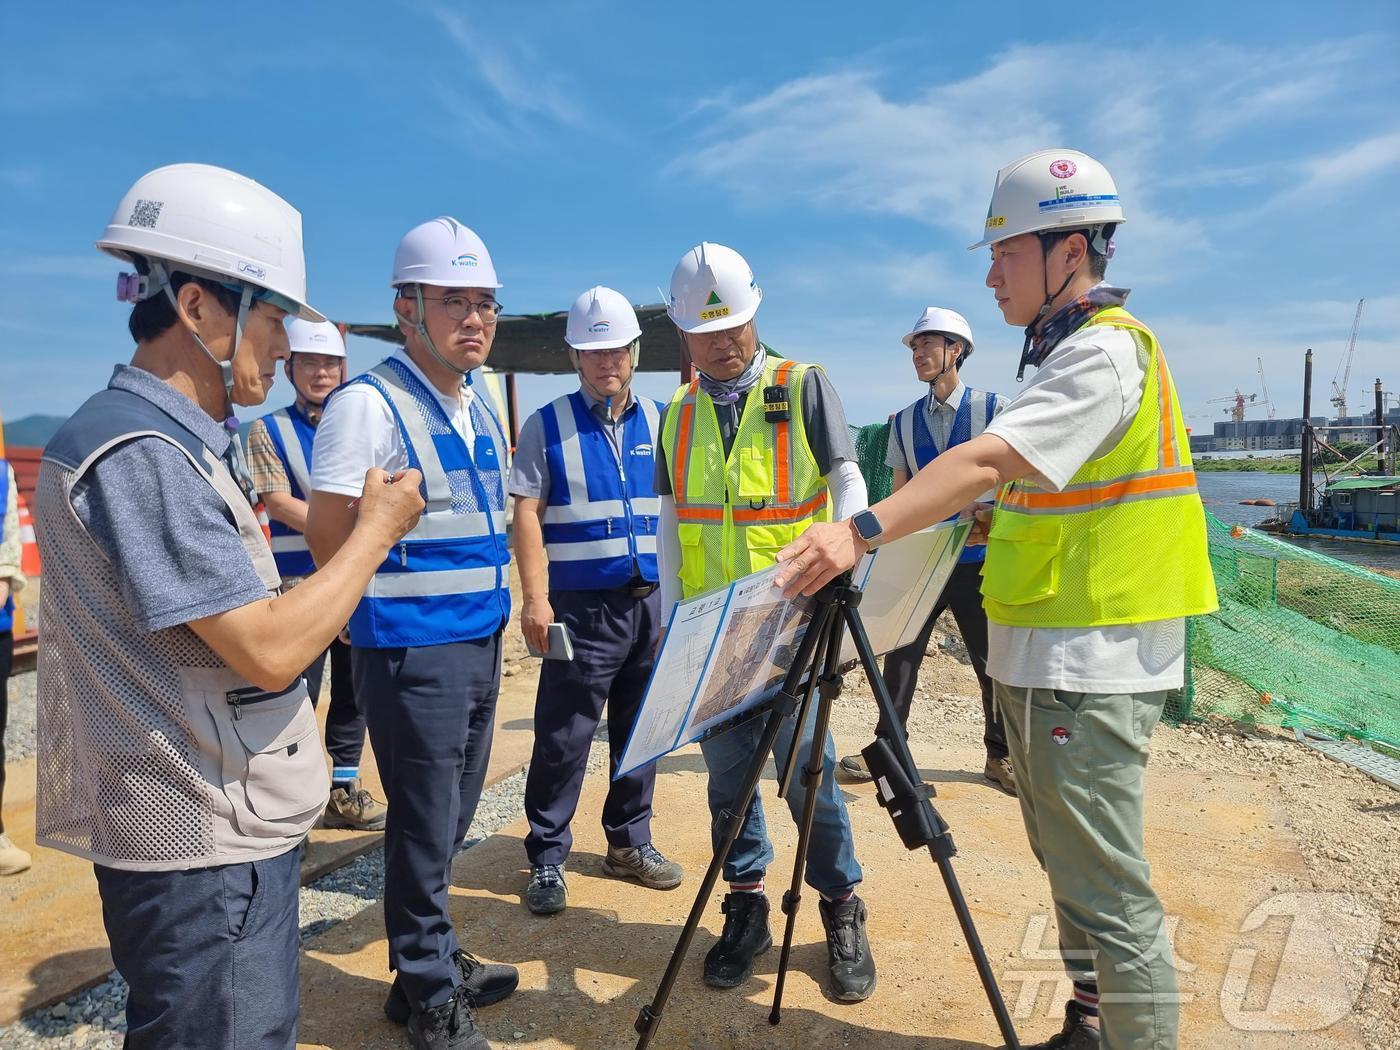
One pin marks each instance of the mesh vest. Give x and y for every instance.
(7, 610)
(735, 514)
(600, 517)
(292, 436)
(154, 754)
(911, 430)
(1124, 542)
(446, 581)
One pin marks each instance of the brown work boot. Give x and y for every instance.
(1000, 773)
(13, 860)
(355, 808)
(1078, 1033)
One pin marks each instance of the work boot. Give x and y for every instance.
(1000, 773)
(746, 935)
(355, 808)
(1077, 1033)
(645, 864)
(483, 984)
(854, 768)
(13, 860)
(546, 893)
(847, 949)
(450, 1026)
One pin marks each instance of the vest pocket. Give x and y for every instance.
(1023, 559)
(755, 473)
(765, 541)
(692, 572)
(274, 769)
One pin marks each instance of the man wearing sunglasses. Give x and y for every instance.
(426, 637)
(279, 464)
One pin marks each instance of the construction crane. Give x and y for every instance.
(1268, 404)
(1238, 399)
(1339, 393)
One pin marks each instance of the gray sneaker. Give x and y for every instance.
(853, 767)
(645, 864)
(546, 893)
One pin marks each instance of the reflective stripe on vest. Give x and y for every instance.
(7, 609)
(1124, 542)
(735, 513)
(445, 581)
(911, 427)
(292, 437)
(601, 513)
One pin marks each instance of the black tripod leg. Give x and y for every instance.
(649, 1017)
(941, 847)
(830, 684)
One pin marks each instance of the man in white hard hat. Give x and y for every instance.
(949, 414)
(426, 636)
(766, 440)
(279, 464)
(586, 504)
(1097, 553)
(177, 746)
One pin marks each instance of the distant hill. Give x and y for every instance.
(32, 431)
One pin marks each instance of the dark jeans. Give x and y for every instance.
(345, 722)
(7, 656)
(209, 954)
(963, 596)
(431, 711)
(614, 637)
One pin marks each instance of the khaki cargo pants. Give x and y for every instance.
(1079, 760)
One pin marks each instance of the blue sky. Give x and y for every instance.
(847, 151)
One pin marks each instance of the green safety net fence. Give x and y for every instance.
(1300, 639)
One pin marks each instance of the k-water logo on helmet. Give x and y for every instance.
(600, 326)
(465, 259)
(1063, 168)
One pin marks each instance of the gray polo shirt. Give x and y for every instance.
(166, 532)
(822, 416)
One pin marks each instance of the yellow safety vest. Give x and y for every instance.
(1123, 542)
(735, 513)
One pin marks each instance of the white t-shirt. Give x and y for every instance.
(1076, 408)
(358, 431)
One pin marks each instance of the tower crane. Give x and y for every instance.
(1238, 399)
(1339, 393)
(1268, 404)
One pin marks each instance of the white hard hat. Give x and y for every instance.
(315, 337)
(944, 322)
(445, 254)
(712, 288)
(601, 319)
(213, 223)
(1054, 189)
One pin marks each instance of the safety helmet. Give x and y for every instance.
(1053, 189)
(712, 288)
(444, 254)
(213, 223)
(944, 322)
(315, 337)
(601, 319)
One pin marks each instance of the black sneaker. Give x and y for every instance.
(847, 949)
(450, 1026)
(546, 893)
(1077, 1033)
(746, 935)
(483, 983)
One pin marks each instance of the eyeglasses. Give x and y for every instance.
(315, 363)
(459, 307)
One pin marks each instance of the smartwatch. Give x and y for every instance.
(869, 528)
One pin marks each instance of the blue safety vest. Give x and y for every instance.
(7, 611)
(446, 581)
(974, 412)
(601, 515)
(292, 436)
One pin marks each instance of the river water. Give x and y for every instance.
(1222, 490)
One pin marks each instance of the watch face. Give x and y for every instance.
(867, 525)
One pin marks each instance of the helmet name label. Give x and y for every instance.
(1080, 200)
(996, 222)
(710, 315)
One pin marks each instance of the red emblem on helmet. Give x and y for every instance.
(1060, 735)
(1063, 168)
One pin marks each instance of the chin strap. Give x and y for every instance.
(606, 399)
(422, 329)
(1044, 308)
(162, 278)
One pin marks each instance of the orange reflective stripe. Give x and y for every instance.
(1089, 497)
(699, 514)
(683, 436)
(774, 515)
(783, 441)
